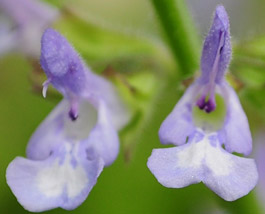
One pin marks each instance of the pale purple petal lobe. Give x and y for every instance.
(238, 182)
(178, 125)
(202, 159)
(63, 180)
(165, 164)
(49, 134)
(235, 131)
(103, 137)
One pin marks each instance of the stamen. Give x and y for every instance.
(210, 106)
(45, 87)
(73, 113)
(201, 102)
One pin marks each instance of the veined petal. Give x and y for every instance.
(203, 159)
(104, 138)
(63, 180)
(235, 132)
(178, 125)
(216, 52)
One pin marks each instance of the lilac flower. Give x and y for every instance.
(22, 23)
(200, 156)
(68, 151)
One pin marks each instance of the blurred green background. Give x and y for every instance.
(125, 41)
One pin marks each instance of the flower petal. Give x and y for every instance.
(102, 89)
(178, 125)
(104, 138)
(66, 71)
(176, 167)
(229, 176)
(216, 52)
(63, 180)
(203, 159)
(62, 64)
(58, 128)
(235, 133)
(49, 134)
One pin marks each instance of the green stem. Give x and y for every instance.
(181, 33)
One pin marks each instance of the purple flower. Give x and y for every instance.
(204, 151)
(22, 24)
(79, 137)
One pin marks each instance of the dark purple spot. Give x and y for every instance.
(201, 102)
(208, 106)
(72, 115)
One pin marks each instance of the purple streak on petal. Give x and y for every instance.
(235, 132)
(216, 52)
(54, 182)
(178, 125)
(103, 137)
(62, 64)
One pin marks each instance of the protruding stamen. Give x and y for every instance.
(73, 113)
(45, 87)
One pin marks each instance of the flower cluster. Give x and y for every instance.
(69, 150)
(79, 137)
(203, 152)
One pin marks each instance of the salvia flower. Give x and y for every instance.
(79, 137)
(204, 152)
(22, 23)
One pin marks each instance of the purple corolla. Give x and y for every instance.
(204, 151)
(68, 151)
